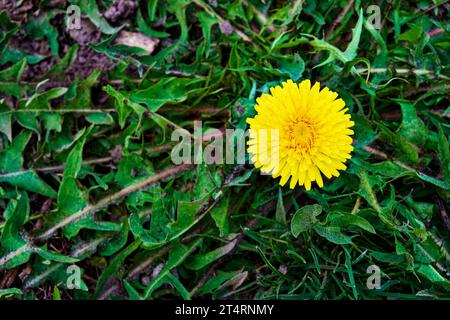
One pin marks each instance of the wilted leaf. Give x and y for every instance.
(139, 40)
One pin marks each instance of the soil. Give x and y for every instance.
(87, 59)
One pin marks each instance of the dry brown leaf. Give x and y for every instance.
(136, 39)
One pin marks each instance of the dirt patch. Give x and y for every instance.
(120, 9)
(86, 61)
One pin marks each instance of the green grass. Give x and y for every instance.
(88, 180)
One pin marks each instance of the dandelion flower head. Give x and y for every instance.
(313, 131)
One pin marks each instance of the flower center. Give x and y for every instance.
(302, 135)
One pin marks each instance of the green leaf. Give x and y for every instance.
(11, 239)
(305, 219)
(167, 90)
(55, 273)
(56, 293)
(89, 7)
(114, 266)
(10, 77)
(54, 256)
(9, 293)
(405, 150)
(280, 212)
(148, 237)
(52, 122)
(15, 250)
(390, 258)
(293, 65)
(218, 281)
(64, 64)
(344, 220)
(443, 153)
(334, 53)
(412, 35)
(80, 95)
(366, 189)
(385, 168)
(202, 260)
(100, 118)
(432, 275)
(368, 183)
(220, 216)
(132, 292)
(439, 183)
(348, 264)
(5, 121)
(177, 255)
(146, 29)
(186, 217)
(116, 242)
(11, 158)
(206, 22)
(70, 198)
(178, 7)
(41, 27)
(333, 234)
(11, 171)
(172, 280)
(30, 181)
(123, 105)
(352, 48)
(412, 128)
(41, 100)
(207, 181)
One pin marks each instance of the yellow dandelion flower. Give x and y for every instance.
(299, 132)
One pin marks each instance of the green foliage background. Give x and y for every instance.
(90, 182)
